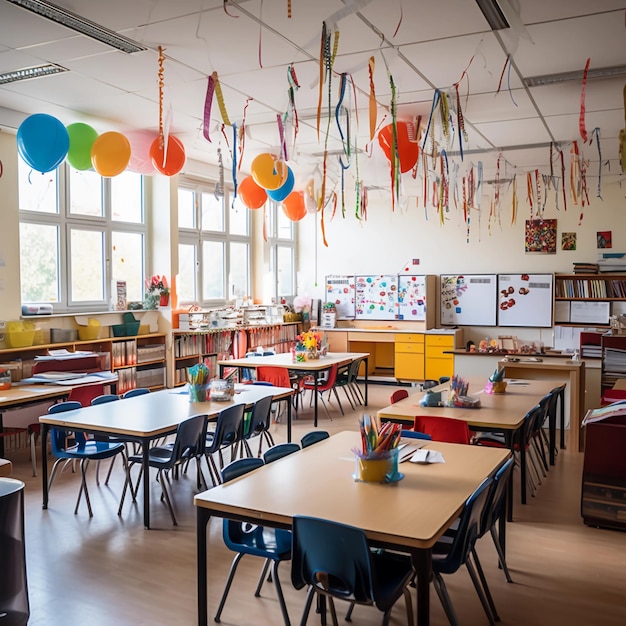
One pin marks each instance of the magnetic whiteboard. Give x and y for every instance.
(376, 297)
(411, 297)
(525, 300)
(468, 299)
(340, 291)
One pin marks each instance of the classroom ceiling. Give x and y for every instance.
(424, 46)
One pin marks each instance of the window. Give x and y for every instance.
(79, 232)
(214, 245)
(282, 241)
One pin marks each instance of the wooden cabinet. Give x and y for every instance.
(613, 361)
(438, 356)
(409, 356)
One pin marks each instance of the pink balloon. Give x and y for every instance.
(140, 142)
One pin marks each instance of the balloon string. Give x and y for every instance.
(581, 119)
(160, 74)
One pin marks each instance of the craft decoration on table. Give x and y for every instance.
(457, 397)
(308, 346)
(377, 458)
(496, 382)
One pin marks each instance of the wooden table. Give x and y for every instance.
(145, 418)
(498, 412)
(20, 396)
(314, 367)
(409, 515)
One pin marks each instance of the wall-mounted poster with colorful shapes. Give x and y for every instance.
(468, 299)
(411, 297)
(540, 236)
(376, 297)
(525, 300)
(340, 291)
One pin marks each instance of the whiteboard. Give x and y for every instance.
(340, 291)
(468, 299)
(525, 300)
(411, 297)
(376, 297)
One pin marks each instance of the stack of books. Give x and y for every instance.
(586, 268)
(612, 261)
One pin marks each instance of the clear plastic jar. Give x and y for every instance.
(5, 379)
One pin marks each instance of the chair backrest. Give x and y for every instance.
(240, 467)
(260, 418)
(105, 397)
(494, 507)
(429, 384)
(58, 436)
(399, 394)
(442, 428)
(467, 531)
(332, 557)
(190, 439)
(324, 385)
(137, 391)
(313, 437)
(227, 428)
(414, 434)
(279, 451)
(278, 376)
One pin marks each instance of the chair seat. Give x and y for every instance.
(93, 450)
(159, 455)
(267, 543)
(393, 571)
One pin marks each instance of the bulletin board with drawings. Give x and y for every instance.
(468, 299)
(376, 297)
(411, 297)
(340, 291)
(525, 300)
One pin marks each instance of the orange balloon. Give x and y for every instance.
(294, 206)
(268, 172)
(252, 196)
(169, 163)
(408, 150)
(110, 154)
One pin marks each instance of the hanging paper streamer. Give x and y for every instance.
(293, 87)
(219, 186)
(514, 202)
(234, 162)
(596, 134)
(281, 137)
(208, 102)
(161, 82)
(242, 133)
(373, 107)
(581, 119)
(345, 136)
(220, 100)
(622, 139)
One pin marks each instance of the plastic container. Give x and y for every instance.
(5, 379)
(62, 335)
(89, 332)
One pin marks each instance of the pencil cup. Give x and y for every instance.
(198, 393)
(378, 468)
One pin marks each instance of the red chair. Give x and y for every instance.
(279, 377)
(325, 385)
(399, 394)
(442, 428)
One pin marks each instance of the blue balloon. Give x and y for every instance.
(43, 142)
(284, 190)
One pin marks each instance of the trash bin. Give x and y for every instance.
(14, 608)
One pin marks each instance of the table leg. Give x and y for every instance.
(1, 438)
(422, 562)
(316, 379)
(202, 520)
(366, 378)
(552, 434)
(44, 464)
(145, 449)
(289, 401)
(509, 438)
(523, 468)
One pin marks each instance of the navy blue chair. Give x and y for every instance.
(259, 425)
(313, 437)
(273, 545)
(137, 391)
(227, 434)
(335, 561)
(83, 450)
(279, 451)
(105, 397)
(415, 434)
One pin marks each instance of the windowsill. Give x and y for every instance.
(84, 313)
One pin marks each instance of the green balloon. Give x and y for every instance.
(82, 137)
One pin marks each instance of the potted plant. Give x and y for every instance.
(157, 292)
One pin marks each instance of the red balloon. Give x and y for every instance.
(407, 144)
(171, 162)
(252, 196)
(294, 207)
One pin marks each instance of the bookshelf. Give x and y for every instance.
(613, 360)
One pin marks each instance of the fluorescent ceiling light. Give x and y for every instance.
(493, 14)
(31, 72)
(596, 72)
(79, 24)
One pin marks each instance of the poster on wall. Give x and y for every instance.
(540, 236)
(376, 297)
(525, 300)
(340, 291)
(411, 297)
(468, 299)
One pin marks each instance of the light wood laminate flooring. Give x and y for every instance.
(109, 570)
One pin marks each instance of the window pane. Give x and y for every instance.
(85, 193)
(39, 262)
(284, 226)
(212, 212)
(186, 209)
(86, 265)
(127, 263)
(239, 270)
(238, 216)
(186, 279)
(285, 267)
(37, 192)
(126, 198)
(213, 270)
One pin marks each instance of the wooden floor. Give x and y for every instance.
(109, 570)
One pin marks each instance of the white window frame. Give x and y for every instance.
(276, 241)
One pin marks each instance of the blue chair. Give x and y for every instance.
(105, 397)
(137, 391)
(188, 444)
(450, 553)
(83, 450)
(273, 545)
(279, 451)
(313, 437)
(335, 561)
(259, 425)
(415, 434)
(227, 433)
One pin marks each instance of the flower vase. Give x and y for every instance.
(312, 355)
(164, 299)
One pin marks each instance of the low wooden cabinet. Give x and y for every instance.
(409, 356)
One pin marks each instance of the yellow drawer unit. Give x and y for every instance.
(409, 356)
(437, 362)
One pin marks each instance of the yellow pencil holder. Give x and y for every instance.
(377, 469)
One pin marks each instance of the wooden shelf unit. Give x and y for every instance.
(613, 360)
